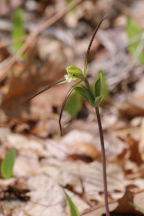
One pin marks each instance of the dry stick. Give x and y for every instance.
(8, 63)
(103, 160)
(58, 16)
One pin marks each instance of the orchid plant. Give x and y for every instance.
(94, 96)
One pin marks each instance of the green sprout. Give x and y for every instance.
(18, 30)
(7, 164)
(94, 96)
(72, 207)
(136, 40)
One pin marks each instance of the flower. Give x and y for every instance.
(73, 73)
(67, 78)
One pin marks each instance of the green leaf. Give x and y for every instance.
(97, 87)
(98, 100)
(74, 71)
(136, 47)
(8, 163)
(85, 66)
(103, 84)
(91, 97)
(18, 28)
(72, 207)
(73, 104)
(85, 94)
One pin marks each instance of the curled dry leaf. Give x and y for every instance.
(84, 150)
(132, 106)
(81, 143)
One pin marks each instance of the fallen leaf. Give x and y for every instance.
(80, 140)
(99, 210)
(133, 106)
(47, 198)
(81, 143)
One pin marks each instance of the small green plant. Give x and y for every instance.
(18, 29)
(94, 96)
(8, 163)
(72, 207)
(136, 40)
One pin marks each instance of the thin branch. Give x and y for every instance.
(58, 16)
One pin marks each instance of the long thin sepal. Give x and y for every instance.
(63, 105)
(89, 46)
(62, 109)
(46, 88)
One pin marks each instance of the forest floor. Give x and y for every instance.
(55, 38)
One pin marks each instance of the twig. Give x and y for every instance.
(58, 16)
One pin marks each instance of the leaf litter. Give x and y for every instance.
(44, 161)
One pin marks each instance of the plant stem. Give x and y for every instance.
(103, 160)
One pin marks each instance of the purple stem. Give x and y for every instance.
(103, 160)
